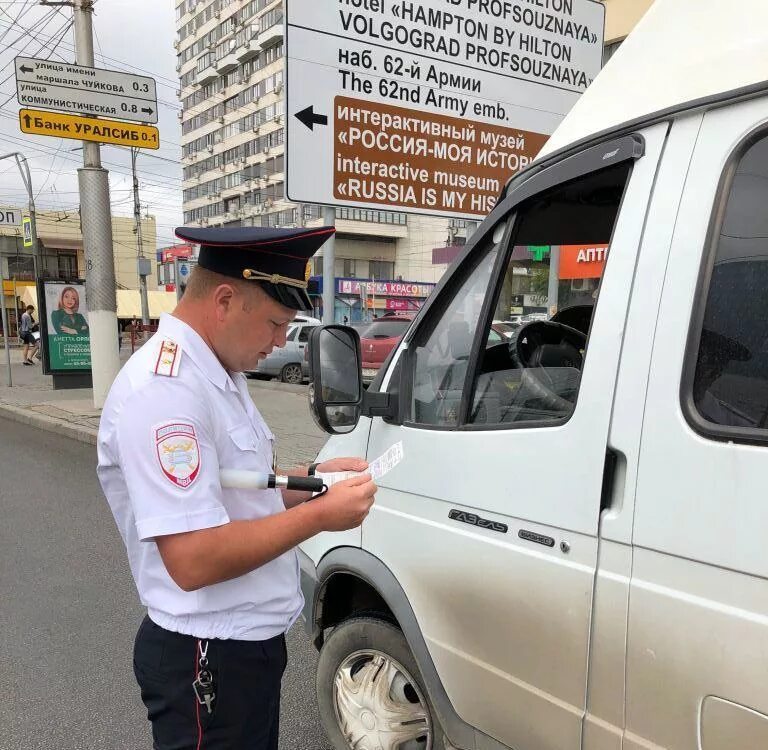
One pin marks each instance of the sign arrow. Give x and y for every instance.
(147, 110)
(24, 69)
(310, 119)
(27, 120)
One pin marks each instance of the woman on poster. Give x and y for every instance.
(67, 319)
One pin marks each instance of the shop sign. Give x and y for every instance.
(582, 261)
(384, 288)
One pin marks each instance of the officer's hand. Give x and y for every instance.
(347, 503)
(342, 464)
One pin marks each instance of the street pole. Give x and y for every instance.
(139, 241)
(329, 261)
(26, 178)
(93, 180)
(6, 332)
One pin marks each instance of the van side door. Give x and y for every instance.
(698, 614)
(490, 521)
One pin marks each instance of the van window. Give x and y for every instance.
(441, 361)
(559, 249)
(730, 382)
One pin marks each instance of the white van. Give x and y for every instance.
(572, 551)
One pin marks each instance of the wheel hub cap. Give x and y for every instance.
(379, 706)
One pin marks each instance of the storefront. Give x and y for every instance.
(364, 299)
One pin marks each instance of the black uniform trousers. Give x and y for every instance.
(246, 675)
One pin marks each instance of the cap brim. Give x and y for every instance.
(289, 296)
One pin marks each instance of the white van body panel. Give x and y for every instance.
(722, 48)
(518, 634)
(698, 617)
(604, 722)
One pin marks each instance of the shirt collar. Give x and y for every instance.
(193, 346)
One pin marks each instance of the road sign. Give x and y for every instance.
(82, 90)
(27, 224)
(429, 106)
(10, 217)
(80, 128)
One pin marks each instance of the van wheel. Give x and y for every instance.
(370, 693)
(291, 374)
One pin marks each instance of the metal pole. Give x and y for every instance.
(5, 325)
(552, 285)
(329, 261)
(139, 240)
(93, 180)
(21, 162)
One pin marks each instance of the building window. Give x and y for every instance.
(381, 269)
(67, 266)
(348, 267)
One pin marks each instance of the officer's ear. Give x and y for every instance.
(224, 301)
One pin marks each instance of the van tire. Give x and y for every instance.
(387, 644)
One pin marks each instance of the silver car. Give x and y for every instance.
(285, 363)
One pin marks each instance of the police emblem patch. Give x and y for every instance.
(178, 452)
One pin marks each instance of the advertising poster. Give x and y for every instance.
(66, 322)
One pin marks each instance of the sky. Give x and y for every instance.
(135, 36)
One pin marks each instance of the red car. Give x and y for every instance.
(378, 339)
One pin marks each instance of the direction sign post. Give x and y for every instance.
(79, 89)
(38, 122)
(428, 107)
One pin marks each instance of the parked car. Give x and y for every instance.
(286, 362)
(378, 339)
(570, 553)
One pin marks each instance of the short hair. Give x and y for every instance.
(30, 307)
(202, 282)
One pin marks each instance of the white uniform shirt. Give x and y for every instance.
(162, 440)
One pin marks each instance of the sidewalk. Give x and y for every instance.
(32, 400)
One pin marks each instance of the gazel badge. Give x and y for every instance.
(178, 452)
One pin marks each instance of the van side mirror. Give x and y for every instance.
(336, 383)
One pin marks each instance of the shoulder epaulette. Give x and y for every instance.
(167, 360)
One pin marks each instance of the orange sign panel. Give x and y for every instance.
(582, 261)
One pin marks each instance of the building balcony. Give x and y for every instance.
(271, 36)
(227, 63)
(206, 75)
(247, 50)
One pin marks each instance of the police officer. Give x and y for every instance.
(216, 568)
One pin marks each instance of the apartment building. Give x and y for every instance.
(231, 71)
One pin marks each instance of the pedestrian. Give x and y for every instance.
(216, 568)
(26, 335)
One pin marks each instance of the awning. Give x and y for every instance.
(129, 303)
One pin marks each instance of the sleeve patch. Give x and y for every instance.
(178, 452)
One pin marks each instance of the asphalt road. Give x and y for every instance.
(69, 612)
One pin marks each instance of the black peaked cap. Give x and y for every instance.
(275, 258)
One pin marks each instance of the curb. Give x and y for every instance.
(49, 424)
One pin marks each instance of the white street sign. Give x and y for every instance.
(10, 217)
(46, 84)
(429, 106)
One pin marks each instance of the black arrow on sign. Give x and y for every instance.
(27, 120)
(310, 119)
(147, 110)
(24, 69)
